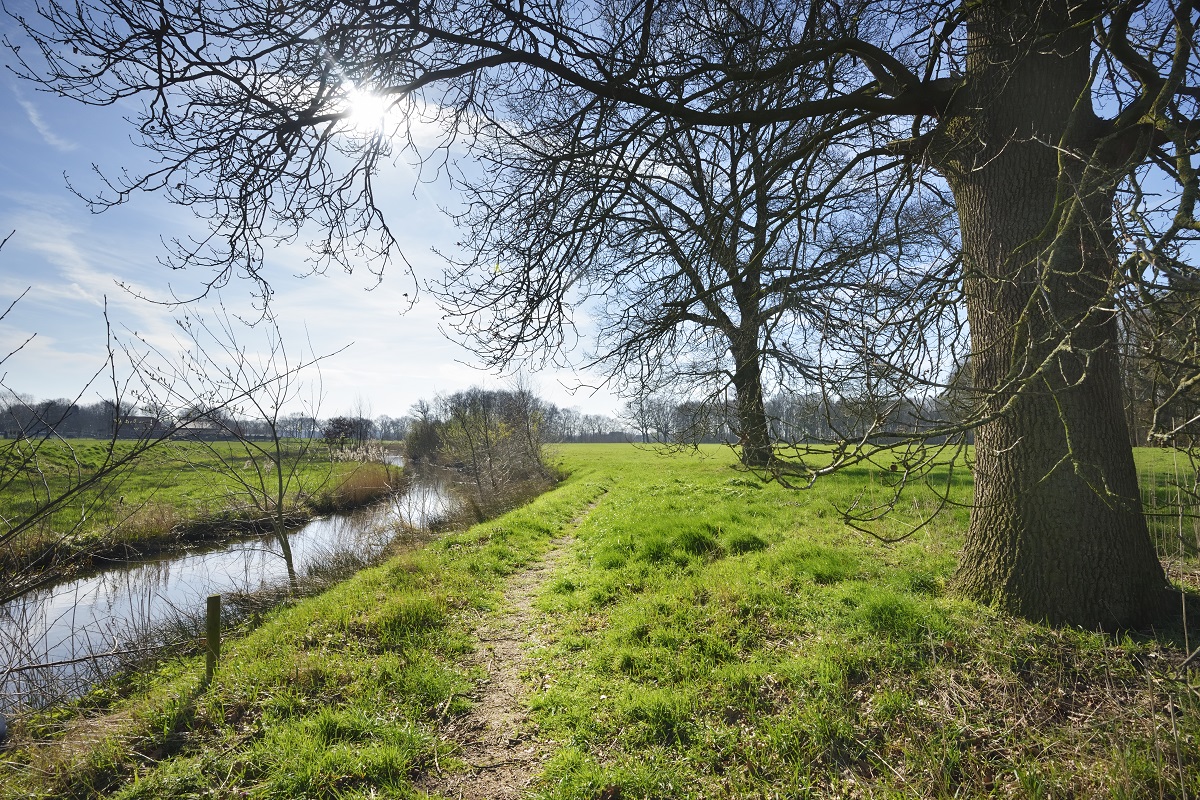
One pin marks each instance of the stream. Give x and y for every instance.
(76, 626)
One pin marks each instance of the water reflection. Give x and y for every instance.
(69, 624)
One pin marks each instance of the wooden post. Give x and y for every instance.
(212, 641)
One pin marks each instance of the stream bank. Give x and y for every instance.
(86, 628)
(329, 696)
(154, 530)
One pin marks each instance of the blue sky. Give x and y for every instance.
(73, 261)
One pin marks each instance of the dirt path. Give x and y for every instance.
(493, 738)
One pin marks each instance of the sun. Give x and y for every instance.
(367, 112)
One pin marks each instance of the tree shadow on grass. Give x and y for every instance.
(1179, 627)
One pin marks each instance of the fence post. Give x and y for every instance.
(212, 641)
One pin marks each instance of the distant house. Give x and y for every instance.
(137, 427)
(202, 430)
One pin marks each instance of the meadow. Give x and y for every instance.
(707, 634)
(176, 492)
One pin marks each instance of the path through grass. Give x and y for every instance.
(497, 755)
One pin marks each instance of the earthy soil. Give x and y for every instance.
(494, 740)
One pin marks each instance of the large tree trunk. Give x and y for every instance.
(754, 433)
(1057, 532)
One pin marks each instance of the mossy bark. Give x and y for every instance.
(1057, 532)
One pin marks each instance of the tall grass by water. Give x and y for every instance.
(179, 492)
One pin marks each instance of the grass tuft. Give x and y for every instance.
(742, 542)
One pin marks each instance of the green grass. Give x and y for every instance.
(1171, 497)
(335, 696)
(713, 636)
(798, 658)
(175, 490)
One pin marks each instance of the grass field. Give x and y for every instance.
(709, 635)
(176, 490)
(1171, 497)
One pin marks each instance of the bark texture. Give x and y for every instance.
(753, 433)
(1057, 532)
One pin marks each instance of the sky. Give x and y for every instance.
(74, 263)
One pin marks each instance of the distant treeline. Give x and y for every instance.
(810, 418)
(23, 416)
(655, 419)
(807, 418)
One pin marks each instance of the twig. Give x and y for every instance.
(1187, 662)
(445, 706)
(91, 657)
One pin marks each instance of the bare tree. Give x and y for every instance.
(364, 424)
(717, 259)
(392, 429)
(40, 542)
(58, 493)
(1161, 354)
(491, 440)
(526, 413)
(218, 385)
(1046, 119)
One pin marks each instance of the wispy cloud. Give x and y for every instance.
(73, 262)
(43, 128)
(77, 274)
